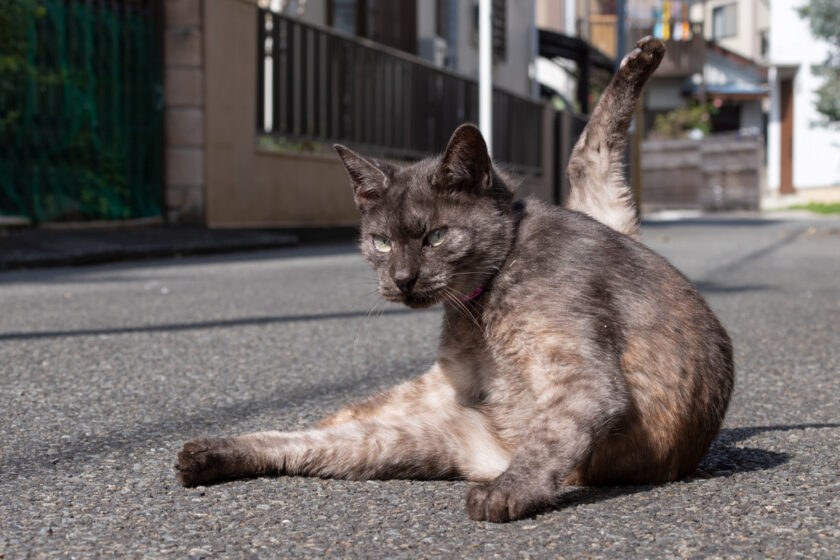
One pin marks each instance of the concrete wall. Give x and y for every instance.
(550, 15)
(183, 77)
(511, 74)
(542, 186)
(247, 186)
(816, 149)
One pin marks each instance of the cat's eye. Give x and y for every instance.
(381, 244)
(437, 237)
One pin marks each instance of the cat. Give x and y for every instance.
(570, 354)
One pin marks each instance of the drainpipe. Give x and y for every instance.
(570, 18)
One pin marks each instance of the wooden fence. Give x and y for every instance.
(720, 172)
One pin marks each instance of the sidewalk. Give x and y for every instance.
(40, 247)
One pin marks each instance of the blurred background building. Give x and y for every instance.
(223, 112)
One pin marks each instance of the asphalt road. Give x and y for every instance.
(105, 371)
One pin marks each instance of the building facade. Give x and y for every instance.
(270, 85)
(802, 153)
(739, 26)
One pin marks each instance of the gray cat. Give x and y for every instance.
(570, 353)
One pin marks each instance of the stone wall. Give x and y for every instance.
(183, 111)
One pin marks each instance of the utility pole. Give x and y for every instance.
(485, 72)
(570, 19)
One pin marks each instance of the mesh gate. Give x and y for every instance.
(80, 110)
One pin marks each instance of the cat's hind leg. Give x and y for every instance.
(415, 430)
(579, 396)
(596, 171)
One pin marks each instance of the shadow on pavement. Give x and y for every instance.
(217, 324)
(711, 287)
(753, 256)
(723, 459)
(183, 426)
(59, 274)
(712, 221)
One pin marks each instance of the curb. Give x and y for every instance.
(38, 248)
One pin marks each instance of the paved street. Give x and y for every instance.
(105, 371)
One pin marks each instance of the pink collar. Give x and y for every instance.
(477, 292)
(516, 211)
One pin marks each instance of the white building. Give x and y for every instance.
(739, 26)
(801, 154)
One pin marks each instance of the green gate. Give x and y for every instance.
(81, 102)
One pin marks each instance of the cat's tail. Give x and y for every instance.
(596, 170)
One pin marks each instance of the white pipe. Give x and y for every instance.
(570, 18)
(485, 72)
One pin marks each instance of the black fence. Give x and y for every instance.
(315, 84)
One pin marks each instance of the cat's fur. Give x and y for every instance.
(585, 358)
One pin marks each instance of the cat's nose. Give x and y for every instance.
(405, 280)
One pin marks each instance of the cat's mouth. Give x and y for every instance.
(420, 302)
(414, 300)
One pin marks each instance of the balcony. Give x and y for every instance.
(683, 58)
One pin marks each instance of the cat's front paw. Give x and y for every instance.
(500, 502)
(204, 460)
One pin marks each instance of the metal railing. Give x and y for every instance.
(315, 84)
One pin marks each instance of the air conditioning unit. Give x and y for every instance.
(434, 49)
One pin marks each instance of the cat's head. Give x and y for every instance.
(435, 230)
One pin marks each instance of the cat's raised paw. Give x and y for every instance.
(204, 460)
(646, 56)
(500, 503)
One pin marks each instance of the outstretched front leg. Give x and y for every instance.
(415, 430)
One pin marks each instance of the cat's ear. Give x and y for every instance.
(369, 178)
(465, 165)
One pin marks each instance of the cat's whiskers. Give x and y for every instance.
(456, 300)
(463, 298)
(380, 304)
(486, 275)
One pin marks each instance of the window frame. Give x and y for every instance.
(729, 22)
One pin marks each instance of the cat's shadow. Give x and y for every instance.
(723, 459)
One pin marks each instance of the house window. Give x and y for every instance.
(440, 18)
(343, 15)
(724, 21)
(390, 22)
(499, 29)
(764, 44)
